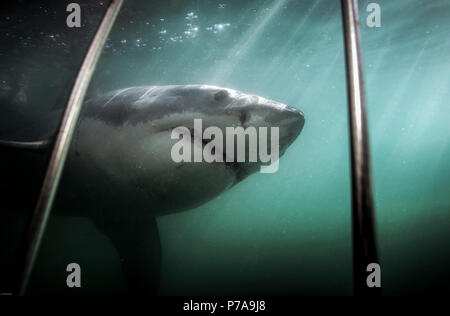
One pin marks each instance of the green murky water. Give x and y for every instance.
(282, 233)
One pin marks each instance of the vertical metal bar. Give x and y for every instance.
(61, 147)
(363, 226)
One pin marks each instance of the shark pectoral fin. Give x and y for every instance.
(138, 245)
(19, 145)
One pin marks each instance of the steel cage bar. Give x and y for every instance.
(41, 213)
(363, 220)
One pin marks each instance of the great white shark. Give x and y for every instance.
(119, 172)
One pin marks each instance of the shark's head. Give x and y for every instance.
(143, 121)
(235, 111)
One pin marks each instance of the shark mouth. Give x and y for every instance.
(238, 168)
(241, 170)
(233, 165)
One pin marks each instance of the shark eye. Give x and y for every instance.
(219, 96)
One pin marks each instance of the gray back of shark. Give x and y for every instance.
(120, 172)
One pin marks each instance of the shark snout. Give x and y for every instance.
(290, 122)
(295, 120)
